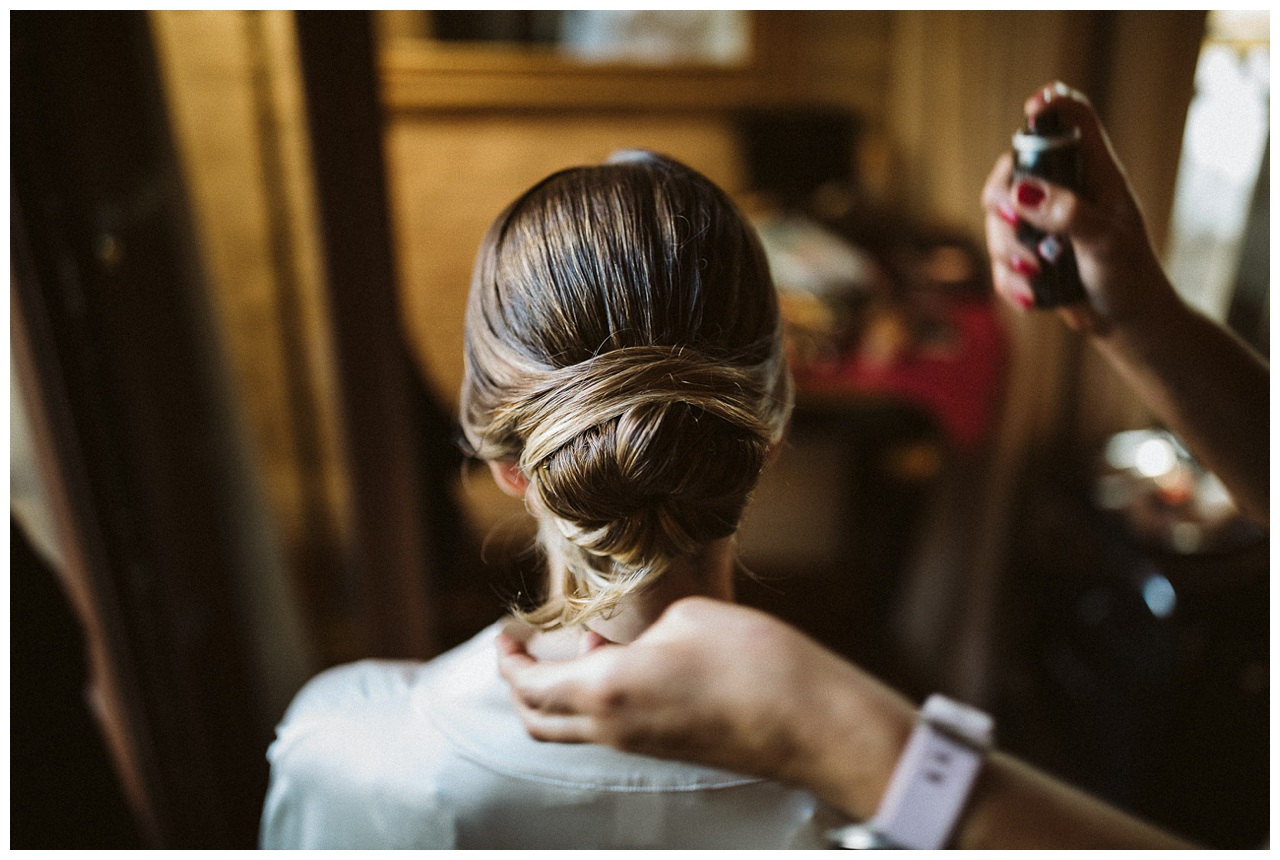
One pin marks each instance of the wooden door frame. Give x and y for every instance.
(113, 343)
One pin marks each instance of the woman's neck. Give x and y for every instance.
(709, 573)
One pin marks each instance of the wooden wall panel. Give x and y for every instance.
(842, 60)
(234, 97)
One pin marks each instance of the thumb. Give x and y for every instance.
(562, 686)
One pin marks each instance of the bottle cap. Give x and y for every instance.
(1026, 140)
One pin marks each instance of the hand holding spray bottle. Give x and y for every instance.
(1048, 151)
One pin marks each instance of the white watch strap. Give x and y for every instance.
(934, 776)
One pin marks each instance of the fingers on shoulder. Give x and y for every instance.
(535, 686)
(585, 685)
(510, 645)
(558, 728)
(514, 662)
(595, 713)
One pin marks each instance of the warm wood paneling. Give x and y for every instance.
(842, 59)
(234, 98)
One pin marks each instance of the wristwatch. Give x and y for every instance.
(931, 783)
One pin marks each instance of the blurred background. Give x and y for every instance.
(240, 250)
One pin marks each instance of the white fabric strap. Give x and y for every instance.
(934, 776)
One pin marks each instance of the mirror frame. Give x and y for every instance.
(420, 74)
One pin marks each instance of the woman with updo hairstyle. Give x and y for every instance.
(625, 372)
(625, 375)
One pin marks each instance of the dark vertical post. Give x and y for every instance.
(116, 345)
(375, 380)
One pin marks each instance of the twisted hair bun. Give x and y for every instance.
(624, 348)
(639, 457)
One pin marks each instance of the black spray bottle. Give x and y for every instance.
(1046, 150)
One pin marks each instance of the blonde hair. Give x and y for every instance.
(623, 347)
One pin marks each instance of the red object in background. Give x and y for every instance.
(959, 384)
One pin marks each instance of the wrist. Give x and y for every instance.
(1143, 317)
(932, 784)
(854, 739)
(1140, 339)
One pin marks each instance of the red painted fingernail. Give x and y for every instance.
(1024, 267)
(1007, 214)
(1024, 301)
(1029, 194)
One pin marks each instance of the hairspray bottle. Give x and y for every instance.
(1046, 150)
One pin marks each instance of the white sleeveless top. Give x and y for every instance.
(382, 754)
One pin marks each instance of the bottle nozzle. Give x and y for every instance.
(1047, 122)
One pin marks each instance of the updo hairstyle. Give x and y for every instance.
(624, 348)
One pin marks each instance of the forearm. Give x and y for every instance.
(1016, 806)
(1207, 387)
(1012, 806)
